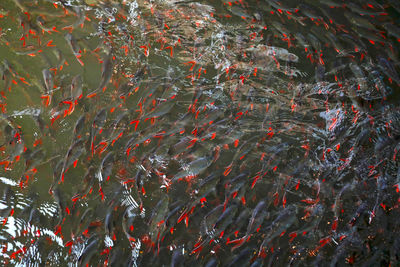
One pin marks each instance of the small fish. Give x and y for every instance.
(18, 148)
(127, 220)
(108, 223)
(319, 73)
(97, 125)
(282, 54)
(337, 203)
(371, 35)
(280, 5)
(157, 219)
(76, 87)
(360, 210)
(79, 126)
(86, 217)
(302, 40)
(285, 219)
(61, 204)
(5, 211)
(138, 76)
(241, 221)
(389, 69)
(88, 181)
(160, 110)
(331, 3)
(73, 154)
(116, 258)
(334, 42)
(359, 21)
(329, 17)
(172, 217)
(180, 146)
(106, 72)
(240, 12)
(313, 217)
(392, 30)
(226, 218)
(315, 42)
(34, 216)
(125, 90)
(105, 167)
(359, 74)
(280, 28)
(309, 11)
(73, 44)
(193, 169)
(257, 217)
(80, 13)
(209, 220)
(42, 24)
(48, 81)
(34, 159)
(207, 186)
(60, 57)
(357, 9)
(119, 125)
(89, 251)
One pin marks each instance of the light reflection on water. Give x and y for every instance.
(206, 107)
(15, 227)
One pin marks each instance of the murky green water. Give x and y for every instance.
(205, 133)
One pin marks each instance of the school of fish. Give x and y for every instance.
(203, 133)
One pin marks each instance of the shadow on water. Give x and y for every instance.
(212, 133)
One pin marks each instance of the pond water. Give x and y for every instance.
(204, 133)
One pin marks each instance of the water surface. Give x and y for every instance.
(212, 133)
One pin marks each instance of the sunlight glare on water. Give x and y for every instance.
(212, 133)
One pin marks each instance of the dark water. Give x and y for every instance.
(204, 133)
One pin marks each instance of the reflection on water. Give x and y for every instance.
(199, 132)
